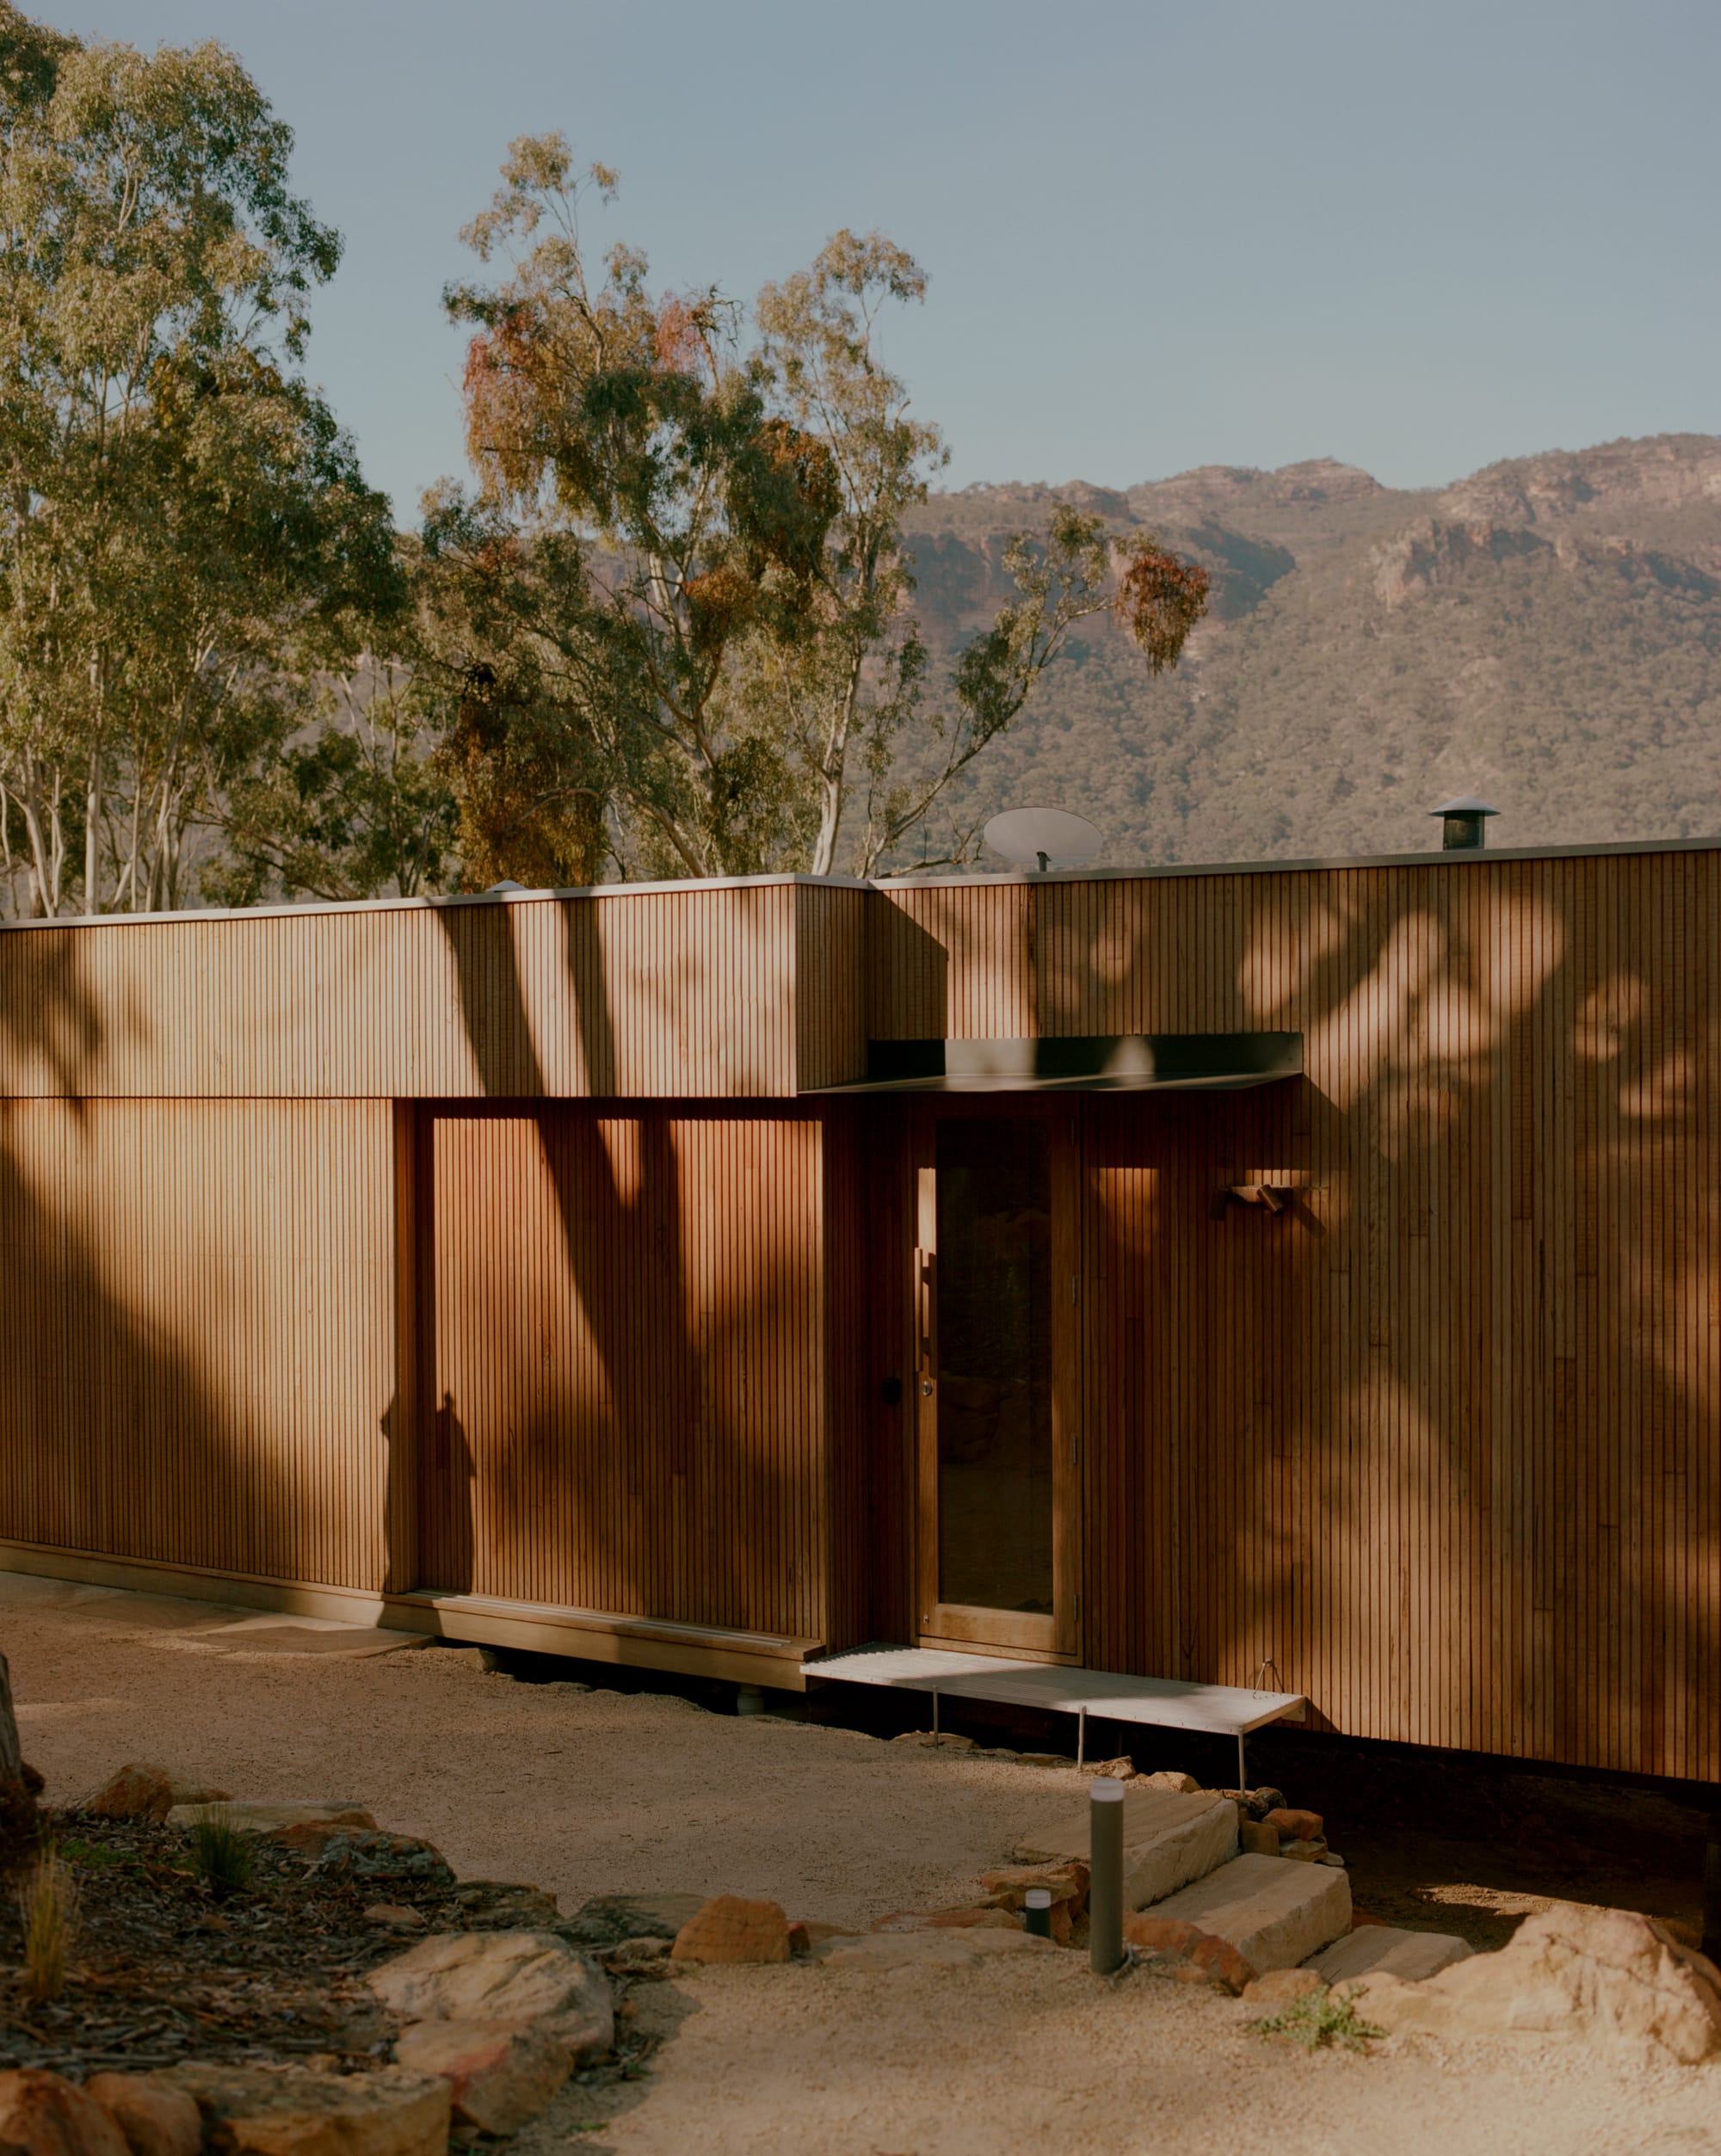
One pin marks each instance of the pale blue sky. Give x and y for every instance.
(1416, 237)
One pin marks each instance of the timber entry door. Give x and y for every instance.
(995, 1386)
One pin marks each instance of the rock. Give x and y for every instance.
(1119, 1769)
(1044, 1760)
(925, 1950)
(1280, 1985)
(1275, 1913)
(1302, 1853)
(1384, 1950)
(290, 2112)
(395, 1916)
(1263, 1801)
(1297, 1827)
(269, 1819)
(639, 1953)
(1167, 1946)
(500, 1905)
(478, 1658)
(155, 2119)
(500, 2074)
(1167, 1778)
(362, 1853)
(1331, 1857)
(943, 1741)
(142, 1791)
(983, 1920)
(1256, 1839)
(501, 1976)
(608, 1919)
(1169, 1838)
(806, 1934)
(731, 1928)
(42, 2114)
(1608, 1978)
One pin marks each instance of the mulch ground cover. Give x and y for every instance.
(162, 1971)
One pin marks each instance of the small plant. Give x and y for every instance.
(224, 1857)
(1322, 2017)
(47, 1903)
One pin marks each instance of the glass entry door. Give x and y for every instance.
(995, 1287)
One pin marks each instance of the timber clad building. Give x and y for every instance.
(1170, 1273)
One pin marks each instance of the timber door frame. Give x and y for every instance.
(1026, 1635)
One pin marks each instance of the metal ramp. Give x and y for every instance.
(1225, 1710)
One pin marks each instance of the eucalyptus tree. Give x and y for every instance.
(721, 664)
(183, 529)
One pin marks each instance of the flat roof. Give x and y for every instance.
(1438, 857)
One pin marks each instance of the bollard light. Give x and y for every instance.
(1105, 1876)
(1038, 1919)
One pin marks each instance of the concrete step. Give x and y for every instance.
(1276, 1911)
(1382, 1950)
(1169, 1838)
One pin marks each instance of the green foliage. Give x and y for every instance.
(184, 534)
(224, 1858)
(1322, 2017)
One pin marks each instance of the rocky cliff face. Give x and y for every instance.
(1546, 633)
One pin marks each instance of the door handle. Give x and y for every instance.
(926, 1295)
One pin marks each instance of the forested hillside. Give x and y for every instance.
(1546, 634)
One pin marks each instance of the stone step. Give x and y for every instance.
(1383, 1949)
(1276, 1911)
(1169, 1838)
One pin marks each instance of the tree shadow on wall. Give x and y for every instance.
(621, 1473)
(118, 1435)
(1483, 1432)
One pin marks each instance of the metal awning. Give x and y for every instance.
(1081, 1063)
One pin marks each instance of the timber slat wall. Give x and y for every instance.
(1443, 1441)
(625, 1390)
(199, 1358)
(667, 993)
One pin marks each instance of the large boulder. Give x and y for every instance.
(1604, 1978)
(143, 1791)
(501, 1976)
(42, 2114)
(292, 2111)
(500, 2074)
(155, 2119)
(1273, 1912)
(1170, 1837)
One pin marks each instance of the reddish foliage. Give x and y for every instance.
(499, 396)
(683, 342)
(1160, 598)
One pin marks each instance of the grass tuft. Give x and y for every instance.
(47, 1903)
(224, 1857)
(1322, 2017)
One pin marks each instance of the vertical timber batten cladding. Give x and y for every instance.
(511, 1249)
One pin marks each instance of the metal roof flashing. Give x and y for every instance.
(1140, 873)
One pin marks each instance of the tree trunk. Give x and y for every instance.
(11, 1758)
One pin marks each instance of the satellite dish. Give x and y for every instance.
(1043, 838)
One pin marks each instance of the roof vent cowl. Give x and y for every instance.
(1465, 828)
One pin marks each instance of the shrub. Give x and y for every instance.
(47, 1903)
(222, 1857)
(1322, 2017)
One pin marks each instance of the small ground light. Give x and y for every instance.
(1038, 1917)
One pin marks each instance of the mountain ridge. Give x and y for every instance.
(1546, 632)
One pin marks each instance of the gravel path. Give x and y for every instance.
(586, 1793)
